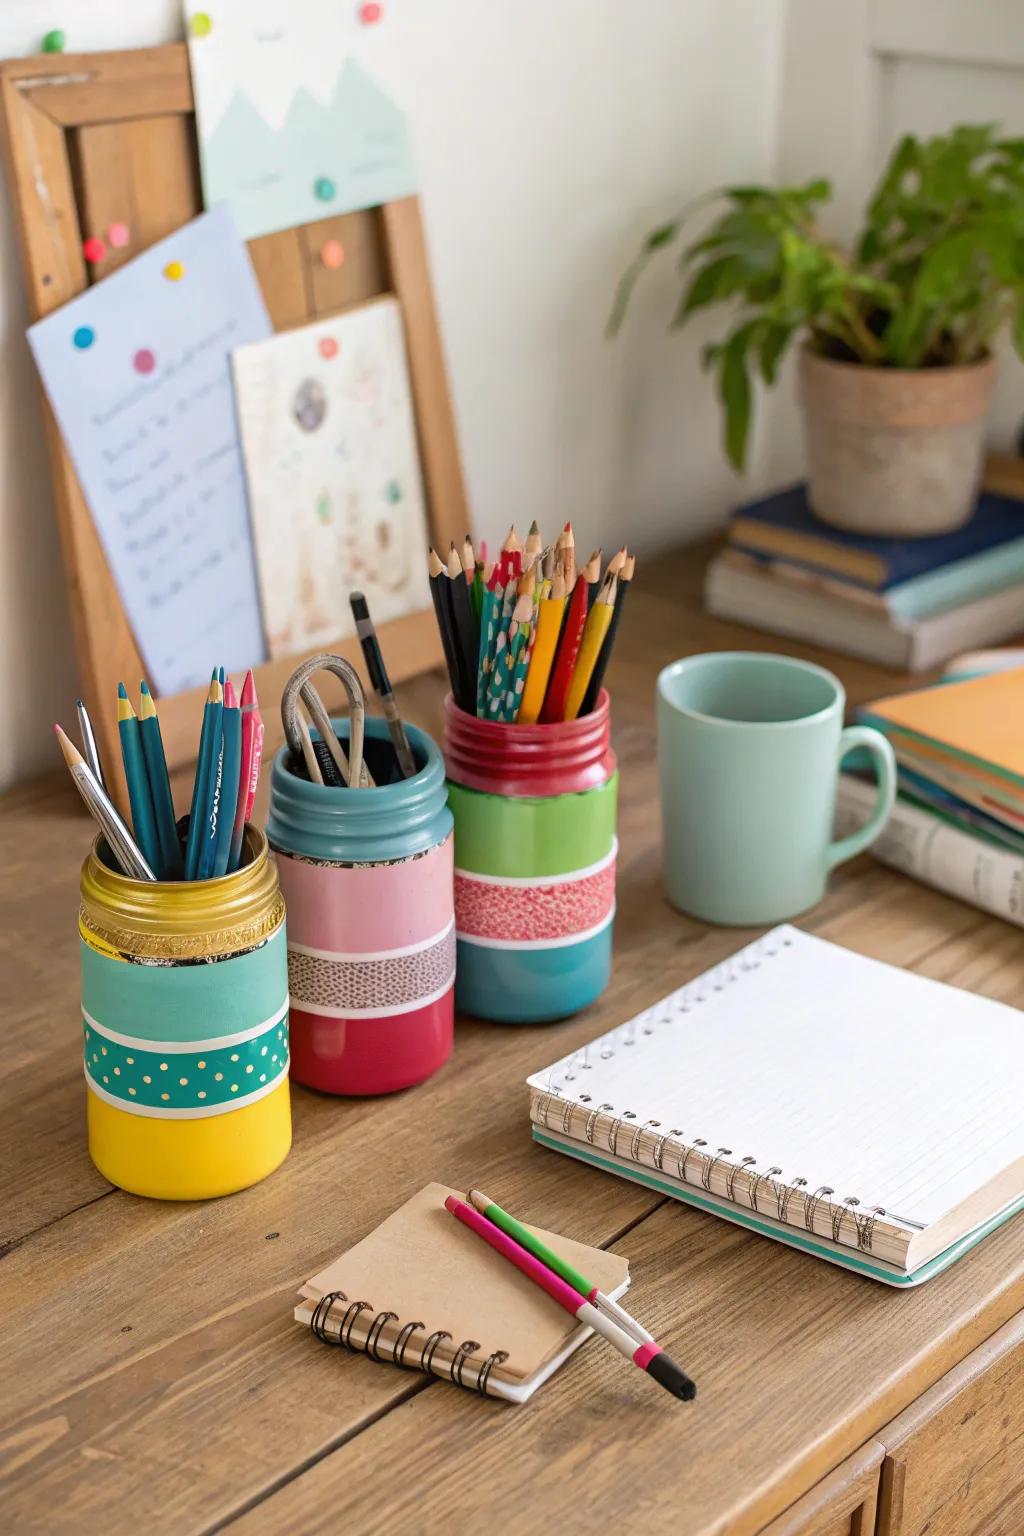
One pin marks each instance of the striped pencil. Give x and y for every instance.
(518, 642)
(488, 620)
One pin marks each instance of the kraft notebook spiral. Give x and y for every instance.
(859, 1112)
(423, 1292)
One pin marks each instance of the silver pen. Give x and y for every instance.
(119, 839)
(89, 748)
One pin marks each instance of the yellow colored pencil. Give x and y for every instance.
(598, 622)
(549, 627)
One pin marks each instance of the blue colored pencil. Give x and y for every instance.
(171, 866)
(206, 761)
(231, 727)
(139, 797)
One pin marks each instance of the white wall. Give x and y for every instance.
(550, 134)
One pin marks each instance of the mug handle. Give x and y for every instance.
(881, 751)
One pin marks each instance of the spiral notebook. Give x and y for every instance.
(425, 1293)
(859, 1112)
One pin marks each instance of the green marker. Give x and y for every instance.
(526, 1239)
(139, 797)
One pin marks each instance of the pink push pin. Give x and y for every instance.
(370, 12)
(119, 236)
(327, 347)
(332, 254)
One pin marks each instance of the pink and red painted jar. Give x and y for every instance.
(367, 877)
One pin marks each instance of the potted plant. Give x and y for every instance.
(896, 371)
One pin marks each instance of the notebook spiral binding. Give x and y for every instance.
(397, 1352)
(789, 1200)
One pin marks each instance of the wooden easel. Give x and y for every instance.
(97, 138)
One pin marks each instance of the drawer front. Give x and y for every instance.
(954, 1461)
(842, 1504)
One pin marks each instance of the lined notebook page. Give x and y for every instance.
(846, 1072)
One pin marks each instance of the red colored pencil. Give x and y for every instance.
(568, 650)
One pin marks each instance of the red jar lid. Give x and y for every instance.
(562, 758)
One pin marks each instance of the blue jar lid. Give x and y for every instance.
(361, 826)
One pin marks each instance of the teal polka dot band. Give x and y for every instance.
(148, 1079)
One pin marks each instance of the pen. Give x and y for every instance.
(648, 1357)
(89, 746)
(381, 684)
(526, 1239)
(119, 840)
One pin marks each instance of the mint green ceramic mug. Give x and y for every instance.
(749, 748)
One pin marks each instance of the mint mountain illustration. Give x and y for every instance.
(358, 141)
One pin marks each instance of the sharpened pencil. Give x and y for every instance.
(119, 840)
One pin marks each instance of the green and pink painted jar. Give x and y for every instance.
(535, 846)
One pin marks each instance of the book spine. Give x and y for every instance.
(940, 855)
(335, 1319)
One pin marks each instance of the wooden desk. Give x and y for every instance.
(154, 1378)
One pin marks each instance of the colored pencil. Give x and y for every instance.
(534, 544)
(90, 748)
(171, 866)
(487, 623)
(648, 1357)
(119, 839)
(568, 650)
(512, 554)
(595, 631)
(466, 629)
(597, 676)
(224, 812)
(592, 576)
(567, 545)
(527, 1239)
(549, 627)
(209, 749)
(208, 832)
(443, 613)
(381, 683)
(468, 559)
(518, 640)
(139, 796)
(249, 768)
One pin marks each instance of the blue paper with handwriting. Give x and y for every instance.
(138, 371)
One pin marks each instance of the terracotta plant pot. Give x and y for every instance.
(894, 451)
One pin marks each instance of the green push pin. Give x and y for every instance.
(324, 188)
(54, 41)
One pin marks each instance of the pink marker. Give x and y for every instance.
(649, 1357)
(249, 772)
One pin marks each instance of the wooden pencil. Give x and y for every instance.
(592, 576)
(466, 631)
(598, 622)
(568, 650)
(624, 582)
(549, 627)
(443, 613)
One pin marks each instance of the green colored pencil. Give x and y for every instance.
(565, 1271)
(139, 797)
(171, 864)
(206, 764)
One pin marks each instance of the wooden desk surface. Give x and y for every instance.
(155, 1380)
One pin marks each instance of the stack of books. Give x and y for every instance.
(958, 822)
(907, 603)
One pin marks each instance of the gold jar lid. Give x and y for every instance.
(183, 919)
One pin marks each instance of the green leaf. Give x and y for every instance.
(1017, 324)
(774, 342)
(713, 282)
(663, 235)
(735, 392)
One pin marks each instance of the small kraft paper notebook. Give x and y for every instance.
(423, 1292)
(855, 1111)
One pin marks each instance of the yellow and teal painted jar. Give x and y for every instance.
(185, 1027)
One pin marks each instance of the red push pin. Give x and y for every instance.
(370, 13)
(94, 249)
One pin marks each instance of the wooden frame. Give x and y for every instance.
(102, 137)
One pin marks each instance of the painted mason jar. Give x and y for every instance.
(185, 1027)
(367, 877)
(534, 809)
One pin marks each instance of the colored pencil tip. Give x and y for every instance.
(220, 676)
(122, 691)
(143, 686)
(249, 690)
(72, 756)
(230, 698)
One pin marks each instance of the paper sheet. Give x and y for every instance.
(335, 491)
(138, 372)
(295, 122)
